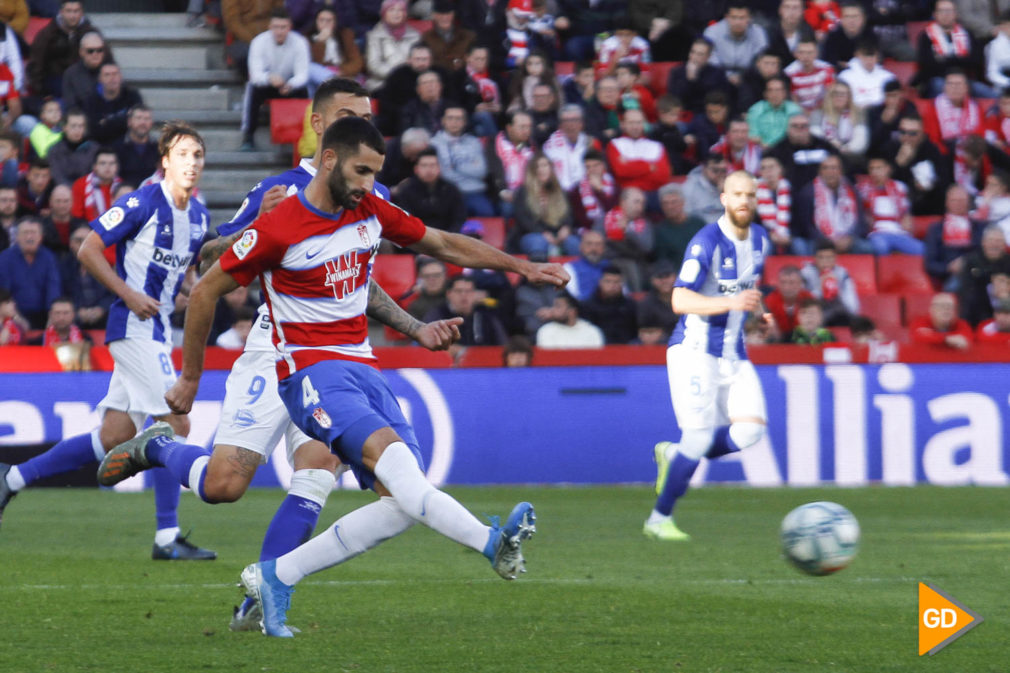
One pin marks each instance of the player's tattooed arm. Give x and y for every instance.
(435, 336)
(212, 250)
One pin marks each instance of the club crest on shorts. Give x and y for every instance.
(322, 418)
(363, 234)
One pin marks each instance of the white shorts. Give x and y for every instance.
(253, 416)
(708, 391)
(142, 375)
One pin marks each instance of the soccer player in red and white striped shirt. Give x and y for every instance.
(809, 76)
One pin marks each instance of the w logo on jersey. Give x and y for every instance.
(346, 273)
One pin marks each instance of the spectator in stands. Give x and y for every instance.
(494, 288)
(429, 290)
(831, 283)
(866, 77)
(73, 155)
(997, 55)
(566, 329)
(462, 162)
(10, 104)
(278, 68)
(536, 69)
(60, 222)
(567, 147)
(596, 193)
(953, 114)
(426, 108)
(972, 167)
(429, 196)
(481, 326)
(784, 301)
(920, 165)
(996, 330)
(993, 203)
(677, 228)
(543, 113)
(839, 46)
(809, 77)
(828, 209)
(12, 324)
(543, 34)
(93, 192)
(542, 215)
(945, 45)
(9, 163)
(29, 271)
(768, 119)
(979, 267)
(234, 337)
(942, 327)
(481, 92)
(389, 43)
(669, 132)
(518, 352)
(693, 80)
(635, 160)
(108, 105)
(91, 298)
(534, 306)
(801, 153)
(34, 189)
(810, 328)
(741, 153)
(950, 239)
(401, 155)
(448, 41)
(997, 121)
(579, 88)
(81, 78)
(136, 152)
(822, 16)
(630, 237)
(736, 40)
(602, 112)
(48, 130)
(507, 156)
(752, 88)
(882, 120)
(656, 307)
(624, 44)
(244, 20)
(610, 310)
(888, 19)
(842, 124)
(662, 24)
(332, 51)
(790, 29)
(486, 18)
(585, 271)
(14, 13)
(887, 210)
(775, 203)
(56, 47)
(60, 325)
(580, 21)
(703, 187)
(8, 216)
(703, 131)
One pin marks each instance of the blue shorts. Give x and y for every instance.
(341, 403)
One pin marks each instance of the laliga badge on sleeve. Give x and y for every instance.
(245, 244)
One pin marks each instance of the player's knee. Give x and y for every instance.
(398, 470)
(695, 443)
(180, 424)
(112, 436)
(746, 434)
(315, 456)
(218, 488)
(314, 485)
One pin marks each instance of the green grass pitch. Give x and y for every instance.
(78, 591)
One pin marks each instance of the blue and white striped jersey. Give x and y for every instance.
(157, 243)
(718, 264)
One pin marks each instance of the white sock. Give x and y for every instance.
(656, 517)
(96, 445)
(312, 484)
(398, 470)
(166, 536)
(353, 534)
(196, 473)
(15, 481)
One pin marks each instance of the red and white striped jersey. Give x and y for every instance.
(774, 208)
(809, 88)
(314, 269)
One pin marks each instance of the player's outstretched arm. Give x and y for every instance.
(435, 336)
(689, 301)
(471, 252)
(92, 257)
(199, 316)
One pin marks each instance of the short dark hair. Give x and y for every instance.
(75, 112)
(426, 152)
(511, 115)
(280, 13)
(38, 162)
(244, 313)
(824, 244)
(5, 296)
(630, 66)
(62, 299)
(335, 85)
(594, 155)
(139, 107)
(172, 132)
(345, 136)
(104, 149)
(716, 98)
(810, 302)
(459, 278)
(569, 299)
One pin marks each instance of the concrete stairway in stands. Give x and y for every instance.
(180, 73)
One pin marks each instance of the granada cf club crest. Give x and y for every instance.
(363, 234)
(322, 418)
(347, 272)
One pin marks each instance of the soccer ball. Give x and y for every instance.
(820, 538)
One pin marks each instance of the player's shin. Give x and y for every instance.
(66, 456)
(298, 513)
(398, 470)
(352, 534)
(735, 437)
(166, 502)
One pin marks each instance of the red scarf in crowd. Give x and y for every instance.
(957, 122)
(886, 205)
(959, 44)
(591, 204)
(834, 217)
(613, 229)
(95, 203)
(775, 208)
(14, 332)
(956, 231)
(485, 85)
(52, 337)
(513, 160)
(748, 160)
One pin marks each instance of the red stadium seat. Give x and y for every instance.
(564, 69)
(394, 273)
(494, 231)
(920, 224)
(659, 72)
(420, 25)
(35, 24)
(842, 335)
(863, 270)
(903, 70)
(774, 264)
(883, 309)
(914, 28)
(915, 306)
(286, 118)
(903, 274)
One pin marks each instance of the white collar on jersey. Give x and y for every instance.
(730, 231)
(306, 165)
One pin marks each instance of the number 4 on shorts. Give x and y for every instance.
(310, 395)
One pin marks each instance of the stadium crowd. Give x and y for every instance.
(597, 131)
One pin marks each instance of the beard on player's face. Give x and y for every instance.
(340, 191)
(740, 219)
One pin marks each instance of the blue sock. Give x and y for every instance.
(178, 458)
(166, 498)
(722, 444)
(65, 456)
(677, 479)
(291, 526)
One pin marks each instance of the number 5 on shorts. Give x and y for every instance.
(696, 385)
(309, 394)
